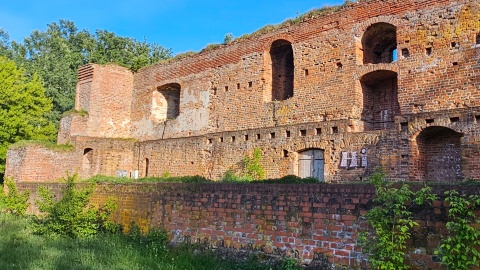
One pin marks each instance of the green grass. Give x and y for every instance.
(289, 179)
(50, 145)
(21, 249)
(75, 112)
(169, 179)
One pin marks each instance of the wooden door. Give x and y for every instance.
(311, 163)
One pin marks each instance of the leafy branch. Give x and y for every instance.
(459, 250)
(391, 222)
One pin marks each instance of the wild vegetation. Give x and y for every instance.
(391, 226)
(24, 108)
(391, 222)
(12, 201)
(22, 249)
(71, 234)
(229, 38)
(459, 249)
(72, 215)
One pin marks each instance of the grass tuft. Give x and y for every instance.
(49, 145)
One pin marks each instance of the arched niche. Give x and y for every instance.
(282, 70)
(166, 102)
(87, 159)
(438, 155)
(379, 42)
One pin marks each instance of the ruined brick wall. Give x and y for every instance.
(71, 126)
(104, 156)
(37, 163)
(211, 156)
(220, 85)
(341, 94)
(90, 157)
(374, 76)
(105, 94)
(304, 221)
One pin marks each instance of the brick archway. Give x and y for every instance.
(166, 102)
(379, 43)
(437, 155)
(282, 68)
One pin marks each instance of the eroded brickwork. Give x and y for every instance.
(392, 84)
(308, 222)
(105, 93)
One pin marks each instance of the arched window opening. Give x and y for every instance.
(311, 163)
(379, 43)
(147, 163)
(439, 155)
(281, 53)
(477, 39)
(87, 161)
(380, 99)
(166, 102)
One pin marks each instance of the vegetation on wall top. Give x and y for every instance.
(47, 144)
(75, 112)
(312, 14)
(229, 39)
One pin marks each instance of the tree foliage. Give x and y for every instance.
(23, 108)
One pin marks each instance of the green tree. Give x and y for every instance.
(56, 55)
(4, 43)
(127, 52)
(23, 108)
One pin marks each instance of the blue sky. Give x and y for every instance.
(182, 25)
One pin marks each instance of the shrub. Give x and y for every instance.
(459, 250)
(253, 169)
(13, 201)
(391, 222)
(230, 177)
(154, 241)
(289, 264)
(72, 215)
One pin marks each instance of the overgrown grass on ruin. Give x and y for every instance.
(161, 179)
(21, 249)
(229, 178)
(312, 14)
(49, 145)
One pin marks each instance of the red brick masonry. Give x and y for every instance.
(304, 221)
